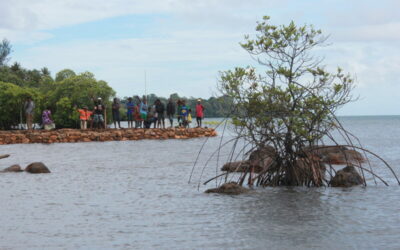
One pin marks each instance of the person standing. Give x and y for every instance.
(115, 113)
(29, 108)
(155, 114)
(136, 114)
(171, 111)
(199, 113)
(160, 109)
(151, 116)
(143, 109)
(99, 114)
(184, 114)
(84, 116)
(189, 118)
(179, 113)
(47, 120)
(130, 108)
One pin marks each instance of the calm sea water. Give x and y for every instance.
(135, 195)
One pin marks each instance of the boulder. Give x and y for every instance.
(322, 150)
(4, 156)
(347, 157)
(236, 166)
(13, 168)
(346, 177)
(230, 188)
(37, 168)
(261, 158)
(336, 155)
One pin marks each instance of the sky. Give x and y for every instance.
(180, 46)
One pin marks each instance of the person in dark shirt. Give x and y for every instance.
(160, 109)
(179, 103)
(99, 112)
(115, 113)
(171, 112)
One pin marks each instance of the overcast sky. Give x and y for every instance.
(183, 44)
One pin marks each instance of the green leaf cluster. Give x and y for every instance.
(293, 101)
(62, 95)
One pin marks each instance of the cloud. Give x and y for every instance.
(178, 63)
(184, 49)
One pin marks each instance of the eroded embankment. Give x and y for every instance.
(76, 135)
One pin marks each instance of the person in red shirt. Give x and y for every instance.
(199, 113)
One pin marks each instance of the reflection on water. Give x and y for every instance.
(134, 194)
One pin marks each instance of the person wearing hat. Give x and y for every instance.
(199, 112)
(84, 116)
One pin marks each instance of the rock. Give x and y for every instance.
(230, 188)
(4, 156)
(336, 155)
(37, 168)
(236, 166)
(322, 150)
(346, 177)
(346, 157)
(13, 168)
(261, 158)
(71, 135)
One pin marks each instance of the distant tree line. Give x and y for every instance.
(64, 93)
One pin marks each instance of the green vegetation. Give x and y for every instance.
(62, 93)
(61, 96)
(290, 105)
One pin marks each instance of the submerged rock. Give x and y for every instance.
(4, 156)
(347, 177)
(13, 168)
(236, 166)
(262, 157)
(37, 168)
(231, 188)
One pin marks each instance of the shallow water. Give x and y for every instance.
(135, 194)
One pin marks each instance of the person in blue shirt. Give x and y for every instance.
(184, 113)
(130, 107)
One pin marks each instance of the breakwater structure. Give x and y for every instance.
(91, 135)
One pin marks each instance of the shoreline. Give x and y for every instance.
(101, 135)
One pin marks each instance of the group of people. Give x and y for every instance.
(142, 115)
(139, 114)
